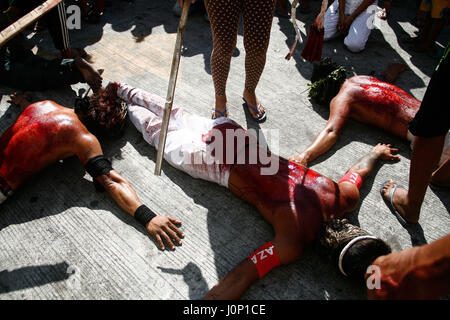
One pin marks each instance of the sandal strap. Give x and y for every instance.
(222, 113)
(258, 107)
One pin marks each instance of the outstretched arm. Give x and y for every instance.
(277, 252)
(160, 227)
(352, 181)
(340, 109)
(366, 164)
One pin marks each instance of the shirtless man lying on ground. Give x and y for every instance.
(46, 132)
(371, 101)
(295, 200)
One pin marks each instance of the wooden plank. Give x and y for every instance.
(11, 31)
(171, 89)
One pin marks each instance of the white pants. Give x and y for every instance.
(185, 148)
(359, 30)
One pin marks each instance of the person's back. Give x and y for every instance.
(380, 104)
(365, 99)
(43, 133)
(295, 193)
(46, 132)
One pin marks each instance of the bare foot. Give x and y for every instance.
(90, 75)
(393, 70)
(299, 159)
(251, 100)
(400, 202)
(20, 99)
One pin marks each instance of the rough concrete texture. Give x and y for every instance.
(62, 240)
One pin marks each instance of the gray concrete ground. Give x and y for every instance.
(62, 240)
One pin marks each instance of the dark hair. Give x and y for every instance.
(337, 234)
(326, 81)
(103, 113)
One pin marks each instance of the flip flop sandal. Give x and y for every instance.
(223, 113)
(391, 206)
(257, 119)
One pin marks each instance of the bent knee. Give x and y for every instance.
(354, 44)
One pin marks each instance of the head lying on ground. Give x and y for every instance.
(344, 244)
(103, 113)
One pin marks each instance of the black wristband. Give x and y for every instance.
(98, 166)
(144, 215)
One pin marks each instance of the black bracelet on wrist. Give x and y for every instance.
(144, 215)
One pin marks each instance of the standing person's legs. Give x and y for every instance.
(258, 15)
(224, 20)
(430, 126)
(360, 30)
(424, 158)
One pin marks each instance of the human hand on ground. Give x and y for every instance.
(162, 227)
(386, 152)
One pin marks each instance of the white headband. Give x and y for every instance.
(341, 256)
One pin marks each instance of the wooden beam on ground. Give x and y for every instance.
(15, 28)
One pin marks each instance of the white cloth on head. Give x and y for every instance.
(359, 30)
(185, 148)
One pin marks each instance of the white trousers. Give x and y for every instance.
(185, 147)
(359, 30)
